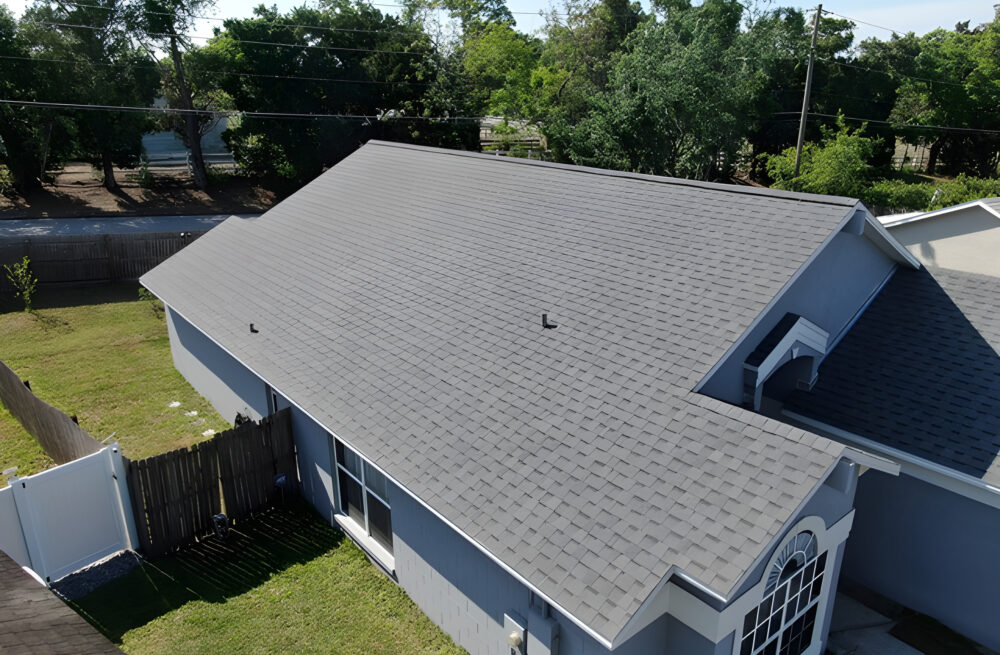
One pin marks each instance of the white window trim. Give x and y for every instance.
(365, 542)
(361, 533)
(825, 542)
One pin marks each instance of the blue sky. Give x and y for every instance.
(920, 16)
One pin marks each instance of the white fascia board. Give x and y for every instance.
(912, 465)
(885, 242)
(940, 212)
(873, 461)
(517, 576)
(714, 625)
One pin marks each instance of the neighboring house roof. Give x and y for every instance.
(35, 620)
(398, 300)
(920, 372)
(991, 205)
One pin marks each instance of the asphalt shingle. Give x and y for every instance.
(920, 372)
(399, 297)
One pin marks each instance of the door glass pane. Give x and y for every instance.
(351, 500)
(380, 522)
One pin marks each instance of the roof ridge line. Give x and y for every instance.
(838, 201)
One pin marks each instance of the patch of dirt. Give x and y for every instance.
(77, 191)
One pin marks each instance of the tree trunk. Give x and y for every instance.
(109, 171)
(932, 156)
(25, 180)
(190, 120)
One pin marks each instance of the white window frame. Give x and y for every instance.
(808, 593)
(361, 533)
(755, 596)
(272, 399)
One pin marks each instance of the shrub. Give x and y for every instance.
(898, 196)
(839, 165)
(6, 183)
(24, 282)
(145, 295)
(143, 177)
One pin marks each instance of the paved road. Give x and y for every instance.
(123, 225)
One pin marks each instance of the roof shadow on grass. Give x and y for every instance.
(56, 296)
(212, 570)
(920, 372)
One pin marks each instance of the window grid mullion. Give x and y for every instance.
(349, 474)
(364, 496)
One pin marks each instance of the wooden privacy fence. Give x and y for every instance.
(239, 472)
(92, 257)
(57, 433)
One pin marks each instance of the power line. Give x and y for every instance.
(888, 73)
(855, 20)
(268, 22)
(252, 42)
(225, 112)
(946, 128)
(81, 62)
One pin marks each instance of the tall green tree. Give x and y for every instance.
(580, 46)
(27, 134)
(165, 23)
(681, 99)
(349, 59)
(108, 69)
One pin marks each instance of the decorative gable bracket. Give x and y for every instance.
(794, 337)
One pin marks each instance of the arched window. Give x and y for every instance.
(783, 622)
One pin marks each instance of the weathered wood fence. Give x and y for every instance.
(56, 432)
(239, 472)
(92, 257)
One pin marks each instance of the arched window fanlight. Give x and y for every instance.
(783, 623)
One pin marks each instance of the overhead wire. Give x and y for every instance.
(250, 41)
(947, 128)
(862, 22)
(231, 112)
(269, 22)
(153, 64)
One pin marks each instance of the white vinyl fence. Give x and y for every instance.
(68, 517)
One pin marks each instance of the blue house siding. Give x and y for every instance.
(929, 549)
(859, 269)
(233, 388)
(221, 379)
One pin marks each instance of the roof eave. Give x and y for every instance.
(877, 234)
(944, 210)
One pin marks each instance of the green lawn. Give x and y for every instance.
(283, 583)
(100, 353)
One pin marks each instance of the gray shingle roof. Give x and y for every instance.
(399, 300)
(920, 372)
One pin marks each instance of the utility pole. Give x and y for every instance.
(805, 98)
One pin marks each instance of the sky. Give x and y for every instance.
(920, 16)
